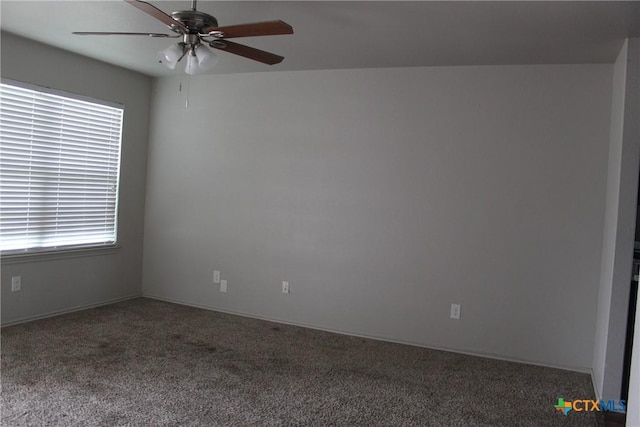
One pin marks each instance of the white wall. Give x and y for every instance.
(620, 222)
(56, 285)
(611, 221)
(384, 196)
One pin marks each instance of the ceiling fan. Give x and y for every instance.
(196, 28)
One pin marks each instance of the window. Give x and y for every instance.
(59, 170)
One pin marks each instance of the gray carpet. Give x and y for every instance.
(146, 362)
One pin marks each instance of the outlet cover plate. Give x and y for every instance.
(16, 283)
(455, 311)
(223, 286)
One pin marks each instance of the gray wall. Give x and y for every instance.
(386, 195)
(620, 222)
(51, 285)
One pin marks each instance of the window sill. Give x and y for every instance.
(18, 258)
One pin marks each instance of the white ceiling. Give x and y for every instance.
(348, 34)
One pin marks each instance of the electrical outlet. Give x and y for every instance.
(216, 276)
(223, 286)
(16, 283)
(285, 287)
(455, 311)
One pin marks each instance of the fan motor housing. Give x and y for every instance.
(195, 20)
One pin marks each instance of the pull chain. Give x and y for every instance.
(186, 104)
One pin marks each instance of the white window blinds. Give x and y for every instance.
(59, 170)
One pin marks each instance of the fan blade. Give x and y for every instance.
(101, 33)
(268, 28)
(158, 14)
(248, 52)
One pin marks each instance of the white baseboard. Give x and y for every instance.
(67, 310)
(581, 370)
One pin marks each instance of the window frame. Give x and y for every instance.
(71, 250)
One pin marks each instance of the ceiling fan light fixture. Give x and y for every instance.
(206, 58)
(171, 55)
(192, 67)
